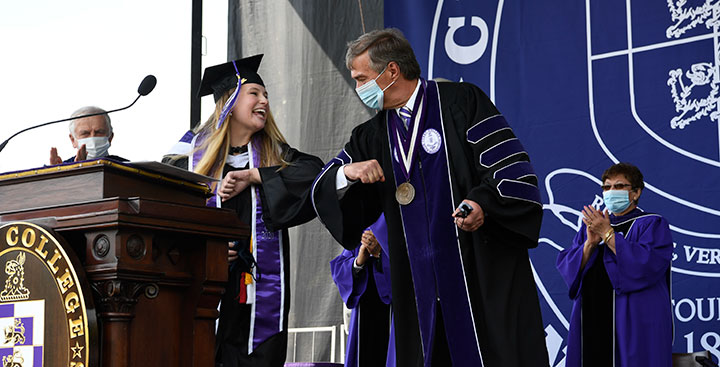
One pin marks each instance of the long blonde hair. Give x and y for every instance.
(216, 142)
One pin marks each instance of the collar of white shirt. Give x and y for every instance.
(411, 102)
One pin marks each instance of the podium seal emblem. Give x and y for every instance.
(46, 313)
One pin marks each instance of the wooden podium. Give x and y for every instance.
(155, 256)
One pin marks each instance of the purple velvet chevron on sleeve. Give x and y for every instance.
(486, 127)
(506, 158)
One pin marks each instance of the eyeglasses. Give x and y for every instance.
(617, 186)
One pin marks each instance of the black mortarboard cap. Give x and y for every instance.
(221, 78)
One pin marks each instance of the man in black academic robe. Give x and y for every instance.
(463, 291)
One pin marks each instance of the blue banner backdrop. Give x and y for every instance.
(585, 84)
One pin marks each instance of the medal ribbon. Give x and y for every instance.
(408, 144)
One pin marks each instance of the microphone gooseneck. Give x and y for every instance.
(146, 86)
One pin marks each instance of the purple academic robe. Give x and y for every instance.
(634, 296)
(356, 295)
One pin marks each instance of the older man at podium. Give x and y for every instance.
(91, 136)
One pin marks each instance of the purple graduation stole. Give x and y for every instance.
(267, 293)
(266, 318)
(197, 154)
(430, 232)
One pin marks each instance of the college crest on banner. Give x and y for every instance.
(46, 315)
(584, 85)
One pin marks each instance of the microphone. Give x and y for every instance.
(146, 86)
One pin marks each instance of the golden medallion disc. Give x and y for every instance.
(405, 193)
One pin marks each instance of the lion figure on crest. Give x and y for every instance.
(14, 288)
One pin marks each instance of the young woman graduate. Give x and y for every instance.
(266, 182)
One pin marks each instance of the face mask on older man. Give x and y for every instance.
(96, 146)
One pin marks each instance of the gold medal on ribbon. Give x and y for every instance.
(405, 193)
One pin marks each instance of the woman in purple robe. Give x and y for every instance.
(618, 273)
(363, 279)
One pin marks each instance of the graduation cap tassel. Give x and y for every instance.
(230, 102)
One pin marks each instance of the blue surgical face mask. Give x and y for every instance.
(616, 201)
(371, 94)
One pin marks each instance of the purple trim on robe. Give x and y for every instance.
(434, 253)
(519, 190)
(269, 277)
(196, 156)
(403, 137)
(515, 171)
(503, 150)
(391, 360)
(187, 138)
(352, 287)
(643, 326)
(382, 273)
(267, 246)
(341, 159)
(486, 127)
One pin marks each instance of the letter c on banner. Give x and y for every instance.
(466, 54)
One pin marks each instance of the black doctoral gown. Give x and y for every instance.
(285, 203)
(500, 285)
